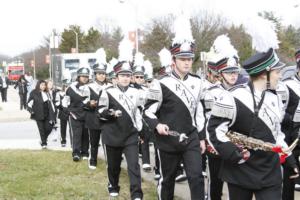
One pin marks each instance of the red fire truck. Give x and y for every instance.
(14, 71)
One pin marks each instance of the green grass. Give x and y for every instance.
(53, 175)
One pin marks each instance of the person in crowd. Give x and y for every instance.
(63, 114)
(4, 82)
(118, 108)
(21, 84)
(78, 94)
(289, 91)
(92, 122)
(42, 111)
(253, 110)
(174, 110)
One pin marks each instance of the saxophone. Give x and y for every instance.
(257, 144)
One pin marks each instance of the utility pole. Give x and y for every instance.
(76, 34)
(34, 75)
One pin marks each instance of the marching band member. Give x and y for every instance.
(245, 124)
(176, 114)
(92, 122)
(118, 108)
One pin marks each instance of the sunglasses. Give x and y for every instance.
(139, 77)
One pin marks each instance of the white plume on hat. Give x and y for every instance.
(165, 57)
(125, 50)
(263, 33)
(183, 30)
(111, 64)
(148, 68)
(101, 56)
(139, 59)
(223, 47)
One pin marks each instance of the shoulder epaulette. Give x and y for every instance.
(195, 75)
(109, 87)
(237, 86)
(163, 76)
(287, 79)
(213, 87)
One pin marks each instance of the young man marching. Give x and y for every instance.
(118, 108)
(176, 114)
(78, 94)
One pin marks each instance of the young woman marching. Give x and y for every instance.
(92, 122)
(42, 110)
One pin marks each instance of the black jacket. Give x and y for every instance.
(91, 119)
(177, 103)
(234, 111)
(1, 82)
(79, 99)
(22, 87)
(123, 130)
(63, 113)
(39, 109)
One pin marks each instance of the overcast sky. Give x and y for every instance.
(24, 23)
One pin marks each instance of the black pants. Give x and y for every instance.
(45, 129)
(114, 158)
(237, 193)
(288, 192)
(192, 164)
(215, 183)
(63, 130)
(145, 151)
(23, 100)
(4, 94)
(80, 134)
(94, 141)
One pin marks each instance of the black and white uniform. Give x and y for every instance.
(92, 122)
(215, 184)
(261, 173)
(78, 96)
(52, 94)
(144, 146)
(120, 135)
(289, 90)
(176, 103)
(63, 115)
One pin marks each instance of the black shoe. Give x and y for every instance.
(76, 158)
(63, 144)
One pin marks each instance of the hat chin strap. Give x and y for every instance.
(268, 80)
(227, 83)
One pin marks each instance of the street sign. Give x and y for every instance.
(73, 50)
(47, 59)
(32, 63)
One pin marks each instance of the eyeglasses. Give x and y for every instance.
(139, 77)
